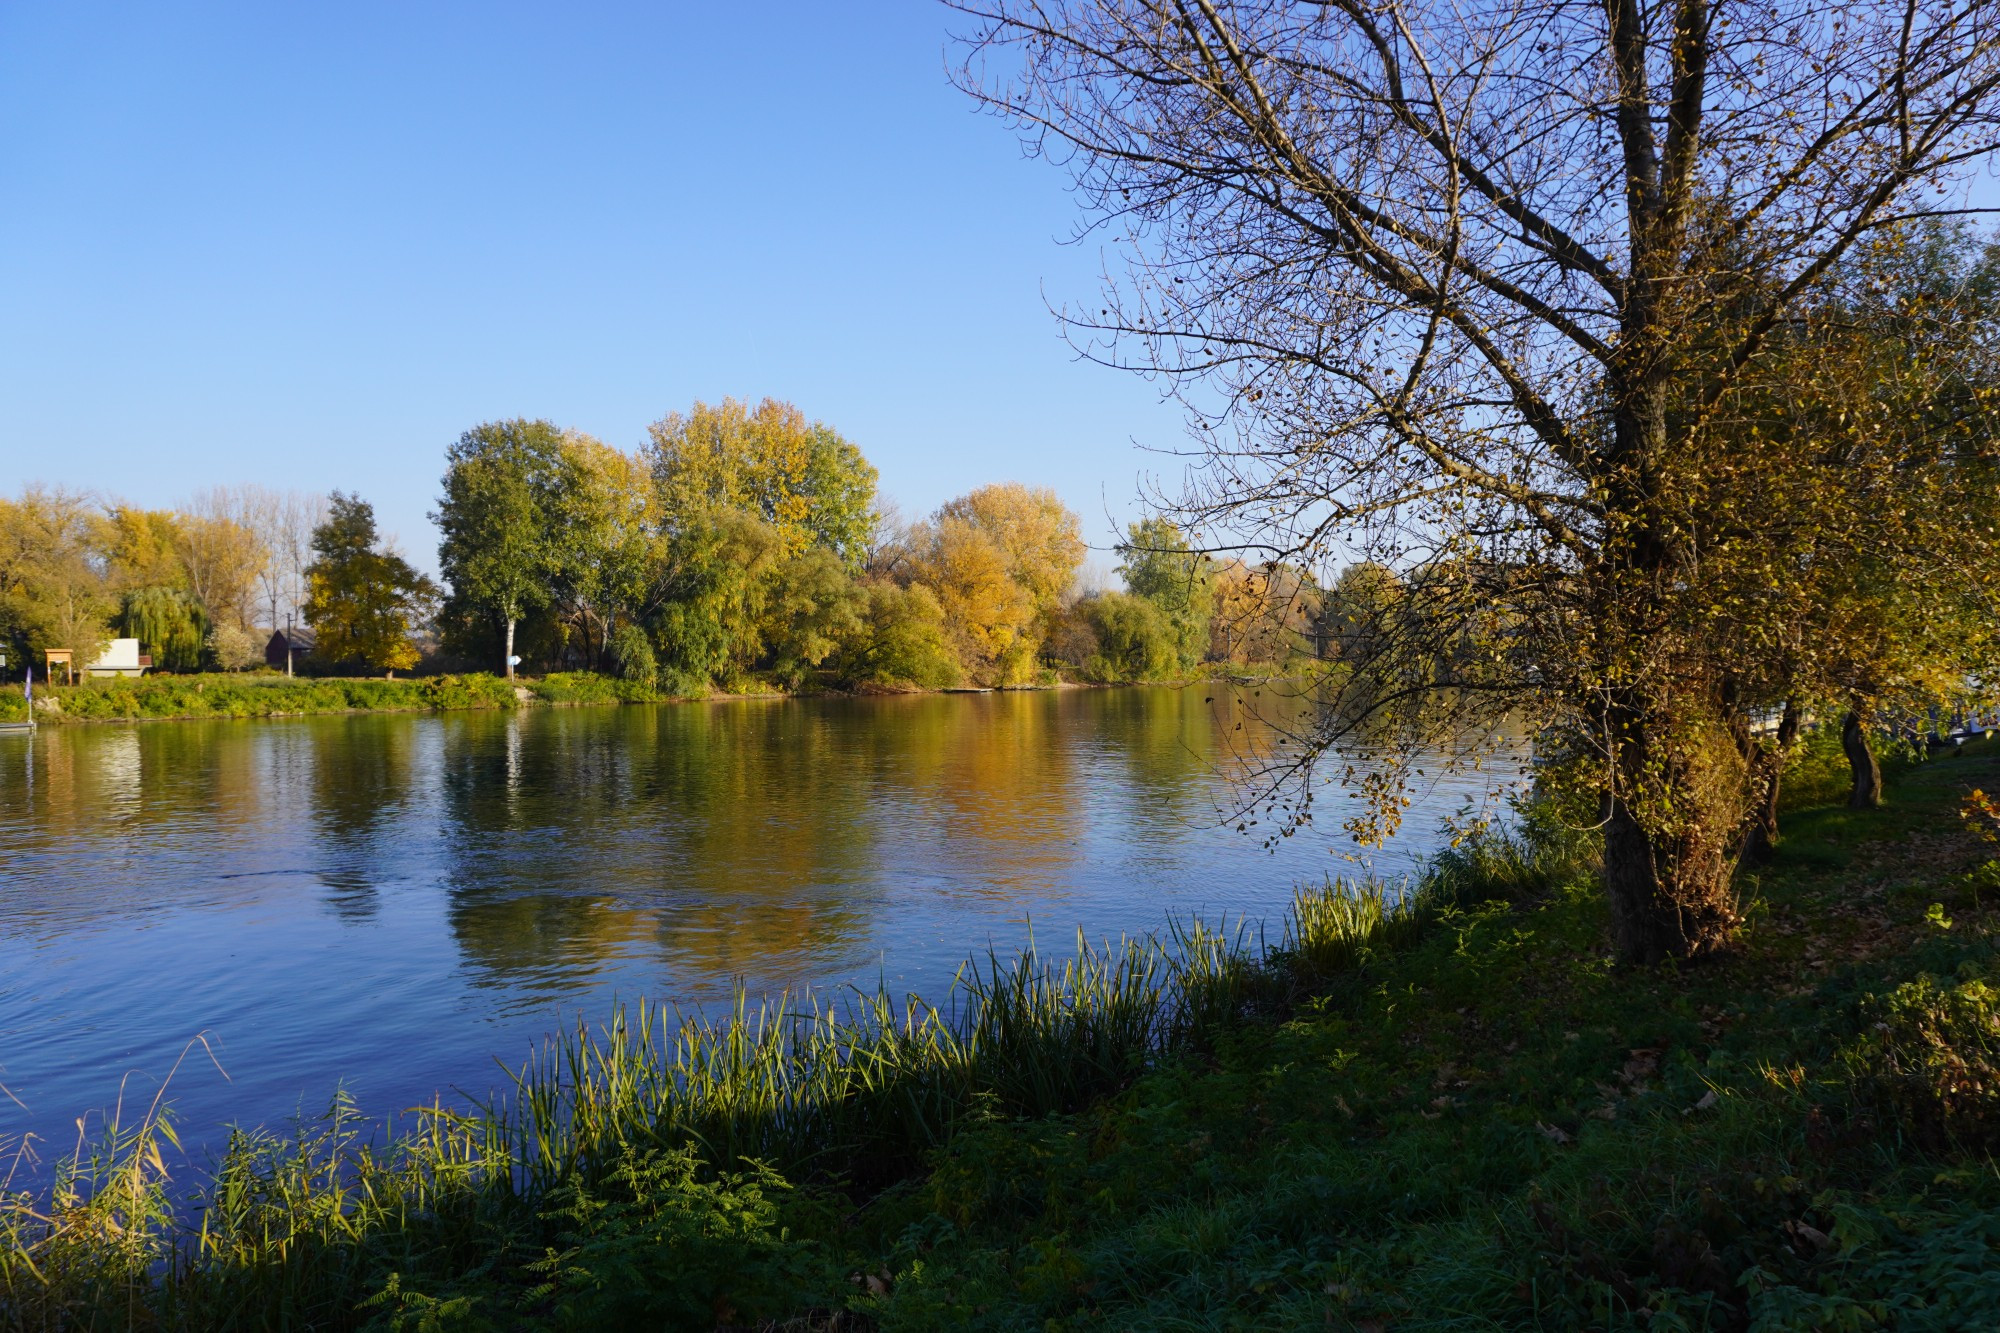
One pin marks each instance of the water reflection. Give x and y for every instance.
(391, 900)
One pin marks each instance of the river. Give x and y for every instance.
(390, 902)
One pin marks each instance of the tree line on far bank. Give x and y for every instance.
(740, 545)
(747, 544)
(199, 586)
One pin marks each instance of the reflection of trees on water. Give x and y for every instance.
(713, 838)
(109, 784)
(1262, 732)
(985, 788)
(86, 829)
(362, 781)
(753, 839)
(1164, 740)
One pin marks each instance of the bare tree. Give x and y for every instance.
(1467, 288)
(222, 551)
(284, 523)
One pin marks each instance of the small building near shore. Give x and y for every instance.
(121, 657)
(300, 638)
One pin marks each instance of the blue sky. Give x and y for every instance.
(306, 246)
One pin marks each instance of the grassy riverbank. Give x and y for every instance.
(220, 696)
(1456, 1113)
(214, 696)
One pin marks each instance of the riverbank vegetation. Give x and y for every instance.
(193, 584)
(1449, 1108)
(265, 695)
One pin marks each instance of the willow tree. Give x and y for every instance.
(1463, 288)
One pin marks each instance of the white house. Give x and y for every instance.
(120, 658)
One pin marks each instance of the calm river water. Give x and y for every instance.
(389, 902)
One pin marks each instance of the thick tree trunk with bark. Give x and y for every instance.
(1678, 746)
(510, 647)
(1670, 894)
(1675, 827)
(1761, 843)
(1867, 793)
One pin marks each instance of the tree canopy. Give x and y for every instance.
(800, 476)
(499, 547)
(1162, 566)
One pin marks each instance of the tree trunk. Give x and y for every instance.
(1670, 895)
(1674, 828)
(1761, 843)
(510, 647)
(1681, 780)
(1867, 793)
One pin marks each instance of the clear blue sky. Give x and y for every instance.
(307, 245)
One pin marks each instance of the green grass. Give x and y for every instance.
(1446, 1109)
(220, 695)
(211, 696)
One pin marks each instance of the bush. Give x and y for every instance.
(901, 640)
(1545, 847)
(1072, 641)
(274, 696)
(1930, 1059)
(588, 687)
(1816, 772)
(666, 1243)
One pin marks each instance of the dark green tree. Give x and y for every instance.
(1136, 641)
(901, 640)
(169, 622)
(718, 581)
(362, 601)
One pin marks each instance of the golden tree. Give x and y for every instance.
(988, 613)
(800, 476)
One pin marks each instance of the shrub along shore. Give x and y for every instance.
(218, 696)
(1439, 1108)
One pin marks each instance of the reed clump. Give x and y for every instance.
(732, 1109)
